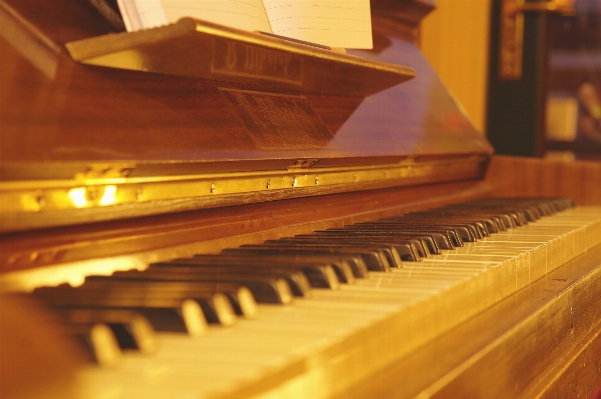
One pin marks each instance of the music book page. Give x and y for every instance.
(242, 14)
(335, 23)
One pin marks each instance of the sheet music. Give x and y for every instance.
(242, 14)
(336, 23)
(142, 14)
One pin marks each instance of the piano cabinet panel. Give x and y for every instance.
(135, 242)
(73, 113)
(514, 176)
(65, 123)
(581, 372)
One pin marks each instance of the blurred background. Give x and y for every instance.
(552, 109)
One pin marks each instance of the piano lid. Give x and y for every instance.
(83, 143)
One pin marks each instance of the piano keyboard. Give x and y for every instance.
(314, 343)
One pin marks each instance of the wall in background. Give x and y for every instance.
(454, 38)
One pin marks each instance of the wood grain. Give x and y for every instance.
(515, 176)
(163, 237)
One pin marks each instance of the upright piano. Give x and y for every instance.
(124, 150)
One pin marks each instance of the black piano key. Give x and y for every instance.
(406, 248)
(454, 235)
(518, 217)
(487, 224)
(389, 250)
(240, 297)
(170, 313)
(242, 291)
(376, 257)
(468, 232)
(451, 240)
(319, 275)
(428, 240)
(418, 242)
(268, 284)
(131, 329)
(98, 343)
(214, 304)
(526, 209)
(494, 221)
(476, 229)
(399, 250)
(372, 259)
(355, 261)
(346, 268)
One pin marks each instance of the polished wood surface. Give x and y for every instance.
(239, 56)
(494, 355)
(175, 143)
(65, 112)
(515, 176)
(137, 242)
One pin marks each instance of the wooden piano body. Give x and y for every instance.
(112, 168)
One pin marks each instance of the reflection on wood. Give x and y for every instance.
(513, 176)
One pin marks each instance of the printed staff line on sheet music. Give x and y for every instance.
(191, 4)
(223, 12)
(311, 16)
(315, 5)
(336, 30)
